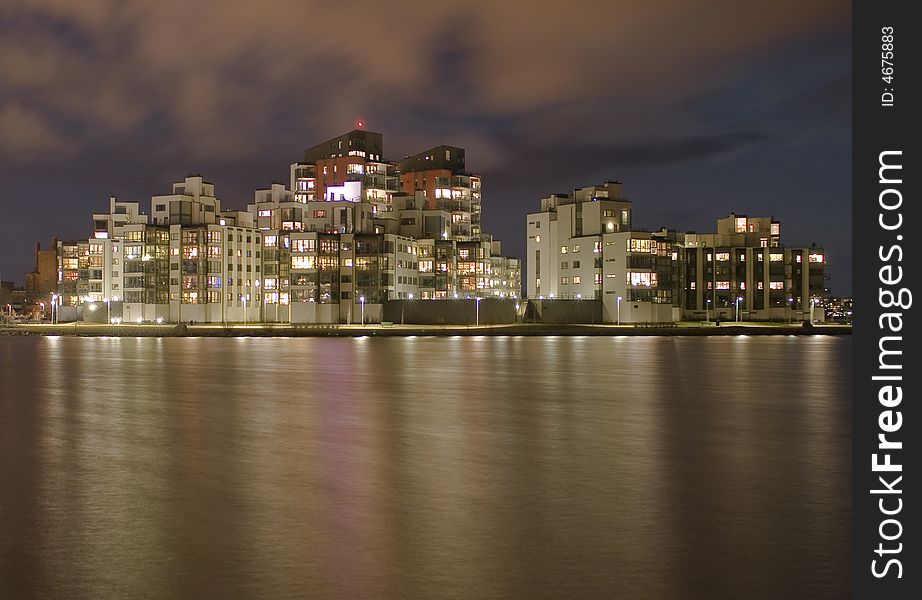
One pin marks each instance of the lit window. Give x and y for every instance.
(598, 278)
(642, 279)
(776, 257)
(577, 280)
(693, 285)
(563, 281)
(776, 228)
(740, 224)
(723, 285)
(304, 245)
(776, 285)
(723, 256)
(816, 258)
(563, 249)
(635, 245)
(302, 262)
(270, 241)
(537, 239)
(597, 247)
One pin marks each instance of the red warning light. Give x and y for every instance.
(360, 124)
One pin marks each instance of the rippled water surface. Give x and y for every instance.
(406, 468)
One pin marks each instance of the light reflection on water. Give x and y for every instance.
(425, 467)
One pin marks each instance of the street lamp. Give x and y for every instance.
(477, 307)
(362, 302)
(707, 311)
(619, 309)
(108, 310)
(790, 308)
(738, 299)
(404, 307)
(244, 298)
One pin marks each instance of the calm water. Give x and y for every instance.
(409, 468)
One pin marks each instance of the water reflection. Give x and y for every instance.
(425, 467)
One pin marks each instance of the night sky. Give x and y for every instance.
(699, 108)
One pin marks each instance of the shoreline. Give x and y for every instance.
(515, 330)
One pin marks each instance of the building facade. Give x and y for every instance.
(582, 246)
(350, 234)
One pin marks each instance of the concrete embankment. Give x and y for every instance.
(529, 329)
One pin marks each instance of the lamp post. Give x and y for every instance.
(738, 298)
(477, 310)
(812, 303)
(619, 309)
(790, 308)
(362, 303)
(108, 310)
(244, 298)
(404, 307)
(707, 311)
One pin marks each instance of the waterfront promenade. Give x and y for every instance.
(398, 330)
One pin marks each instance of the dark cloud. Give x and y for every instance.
(104, 96)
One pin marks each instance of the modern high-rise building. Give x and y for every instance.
(346, 238)
(440, 175)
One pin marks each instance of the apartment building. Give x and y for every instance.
(350, 234)
(582, 246)
(744, 269)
